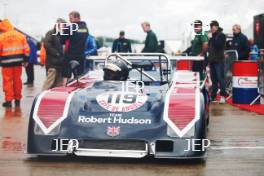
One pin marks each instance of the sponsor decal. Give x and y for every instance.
(245, 82)
(121, 101)
(116, 119)
(113, 131)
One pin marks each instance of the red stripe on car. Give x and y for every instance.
(52, 105)
(182, 107)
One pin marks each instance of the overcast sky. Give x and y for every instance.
(169, 18)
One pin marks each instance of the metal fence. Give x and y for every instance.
(231, 56)
(261, 76)
(260, 80)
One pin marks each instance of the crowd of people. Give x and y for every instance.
(212, 45)
(62, 44)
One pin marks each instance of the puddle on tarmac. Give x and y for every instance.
(10, 145)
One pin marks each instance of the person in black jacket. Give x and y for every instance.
(240, 43)
(54, 57)
(76, 43)
(121, 45)
(216, 59)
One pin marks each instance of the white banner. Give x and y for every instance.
(245, 82)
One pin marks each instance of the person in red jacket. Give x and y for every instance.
(14, 52)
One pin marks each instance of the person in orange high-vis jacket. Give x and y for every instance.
(42, 54)
(14, 52)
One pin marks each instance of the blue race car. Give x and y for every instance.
(129, 105)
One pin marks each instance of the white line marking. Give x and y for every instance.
(234, 147)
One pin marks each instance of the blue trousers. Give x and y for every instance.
(217, 71)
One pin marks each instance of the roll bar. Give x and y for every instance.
(121, 56)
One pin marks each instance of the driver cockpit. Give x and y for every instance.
(116, 70)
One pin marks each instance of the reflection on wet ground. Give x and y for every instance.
(237, 148)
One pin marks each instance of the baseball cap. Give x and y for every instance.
(198, 22)
(214, 23)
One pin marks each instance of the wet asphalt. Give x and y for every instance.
(237, 148)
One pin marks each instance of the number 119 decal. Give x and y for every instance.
(121, 101)
(122, 98)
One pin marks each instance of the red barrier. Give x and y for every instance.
(184, 65)
(245, 82)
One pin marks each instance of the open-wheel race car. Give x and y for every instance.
(149, 109)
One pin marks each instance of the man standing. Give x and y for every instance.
(76, 43)
(90, 46)
(199, 46)
(216, 58)
(240, 43)
(54, 57)
(151, 42)
(121, 45)
(33, 59)
(90, 50)
(14, 51)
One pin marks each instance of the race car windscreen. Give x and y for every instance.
(147, 68)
